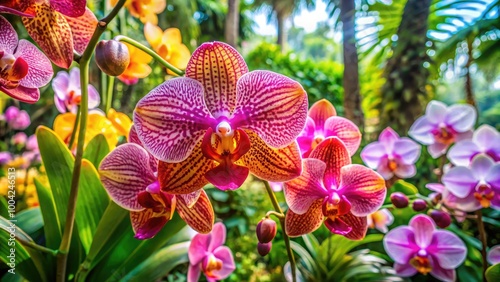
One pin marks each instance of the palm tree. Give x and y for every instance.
(232, 22)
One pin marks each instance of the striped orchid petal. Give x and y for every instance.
(18, 7)
(146, 224)
(320, 112)
(172, 118)
(190, 199)
(82, 29)
(345, 130)
(300, 224)
(23, 94)
(333, 152)
(218, 67)
(270, 164)
(272, 105)
(70, 8)
(359, 226)
(200, 216)
(125, 172)
(39, 67)
(8, 37)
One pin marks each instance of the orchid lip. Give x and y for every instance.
(224, 129)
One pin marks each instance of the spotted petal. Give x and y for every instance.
(320, 112)
(18, 7)
(82, 29)
(39, 67)
(70, 8)
(272, 105)
(23, 94)
(346, 131)
(218, 67)
(125, 172)
(172, 118)
(359, 226)
(146, 224)
(333, 152)
(200, 216)
(300, 224)
(8, 36)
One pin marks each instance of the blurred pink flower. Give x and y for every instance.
(19, 138)
(5, 157)
(419, 247)
(276, 186)
(441, 126)
(32, 153)
(485, 140)
(392, 155)
(207, 255)
(494, 255)
(67, 91)
(16, 119)
(380, 220)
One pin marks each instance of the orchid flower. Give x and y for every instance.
(419, 247)
(16, 119)
(168, 44)
(331, 187)
(323, 122)
(137, 67)
(68, 93)
(485, 140)
(481, 180)
(129, 174)
(19, 138)
(23, 68)
(392, 155)
(442, 195)
(494, 254)
(441, 126)
(208, 255)
(223, 122)
(58, 26)
(120, 121)
(380, 220)
(145, 10)
(32, 152)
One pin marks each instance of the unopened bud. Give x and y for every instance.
(441, 218)
(112, 57)
(264, 248)
(399, 200)
(266, 230)
(419, 205)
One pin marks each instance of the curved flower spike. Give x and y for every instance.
(245, 121)
(485, 140)
(323, 122)
(23, 68)
(332, 189)
(419, 247)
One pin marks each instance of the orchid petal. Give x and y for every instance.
(270, 164)
(60, 105)
(82, 29)
(218, 236)
(23, 94)
(460, 181)
(306, 138)
(60, 84)
(437, 149)
(52, 33)
(480, 166)
(493, 177)
(405, 270)
(320, 112)
(384, 170)
(448, 250)
(359, 226)
(300, 224)
(364, 188)
(224, 254)
(218, 67)
(153, 34)
(436, 111)
(461, 117)
(303, 191)
(198, 248)
(70, 8)
(334, 154)
(227, 176)
(194, 272)
(400, 244)
(146, 225)
(8, 36)
(373, 153)
(93, 97)
(125, 172)
(405, 171)
(337, 226)
(486, 137)
(172, 118)
(494, 255)
(17, 7)
(200, 216)
(40, 69)
(445, 275)
(191, 198)
(421, 130)
(388, 137)
(346, 131)
(407, 150)
(462, 153)
(423, 228)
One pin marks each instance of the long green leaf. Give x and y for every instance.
(52, 226)
(493, 273)
(96, 150)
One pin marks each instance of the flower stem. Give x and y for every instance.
(109, 94)
(277, 207)
(75, 128)
(482, 237)
(149, 52)
(62, 255)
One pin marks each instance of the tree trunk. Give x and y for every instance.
(232, 22)
(352, 97)
(404, 91)
(469, 92)
(282, 36)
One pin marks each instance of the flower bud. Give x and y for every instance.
(266, 230)
(441, 218)
(264, 248)
(112, 57)
(399, 200)
(419, 205)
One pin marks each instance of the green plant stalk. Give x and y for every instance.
(482, 237)
(62, 255)
(109, 94)
(37, 247)
(150, 52)
(277, 207)
(75, 128)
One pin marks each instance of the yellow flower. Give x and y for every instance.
(138, 66)
(120, 121)
(24, 186)
(97, 123)
(168, 44)
(145, 10)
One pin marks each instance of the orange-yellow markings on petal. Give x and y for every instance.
(297, 225)
(82, 29)
(201, 216)
(333, 152)
(359, 226)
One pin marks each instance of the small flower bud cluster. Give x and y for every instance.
(266, 231)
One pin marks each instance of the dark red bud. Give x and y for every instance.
(441, 218)
(264, 248)
(112, 57)
(419, 205)
(266, 230)
(399, 200)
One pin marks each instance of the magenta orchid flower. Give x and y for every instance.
(485, 140)
(223, 122)
(419, 247)
(494, 254)
(23, 68)
(5, 157)
(380, 220)
(68, 93)
(392, 155)
(208, 255)
(481, 181)
(441, 126)
(323, 122)
(129, 174)
(333, 190)
(16, 119)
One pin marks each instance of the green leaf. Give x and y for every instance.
(493, 273)
(4, 207)
(30, 220)
(53, 233)
(96, 150)
(312, 244)
(404, 187)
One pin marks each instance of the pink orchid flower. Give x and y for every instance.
(19, 138)
(392, 155)
(419, 247)
(68, 93)
(16, 119)
(23, 68)
(223, 121)
(333, 190)
(441, 126)
(494, 254)
(485, 140)
(449, 201)
(59, 27)
(207, 253)
(129, 174)
(380, 220)
(481, 180)
(323, 122)
(5, 157)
